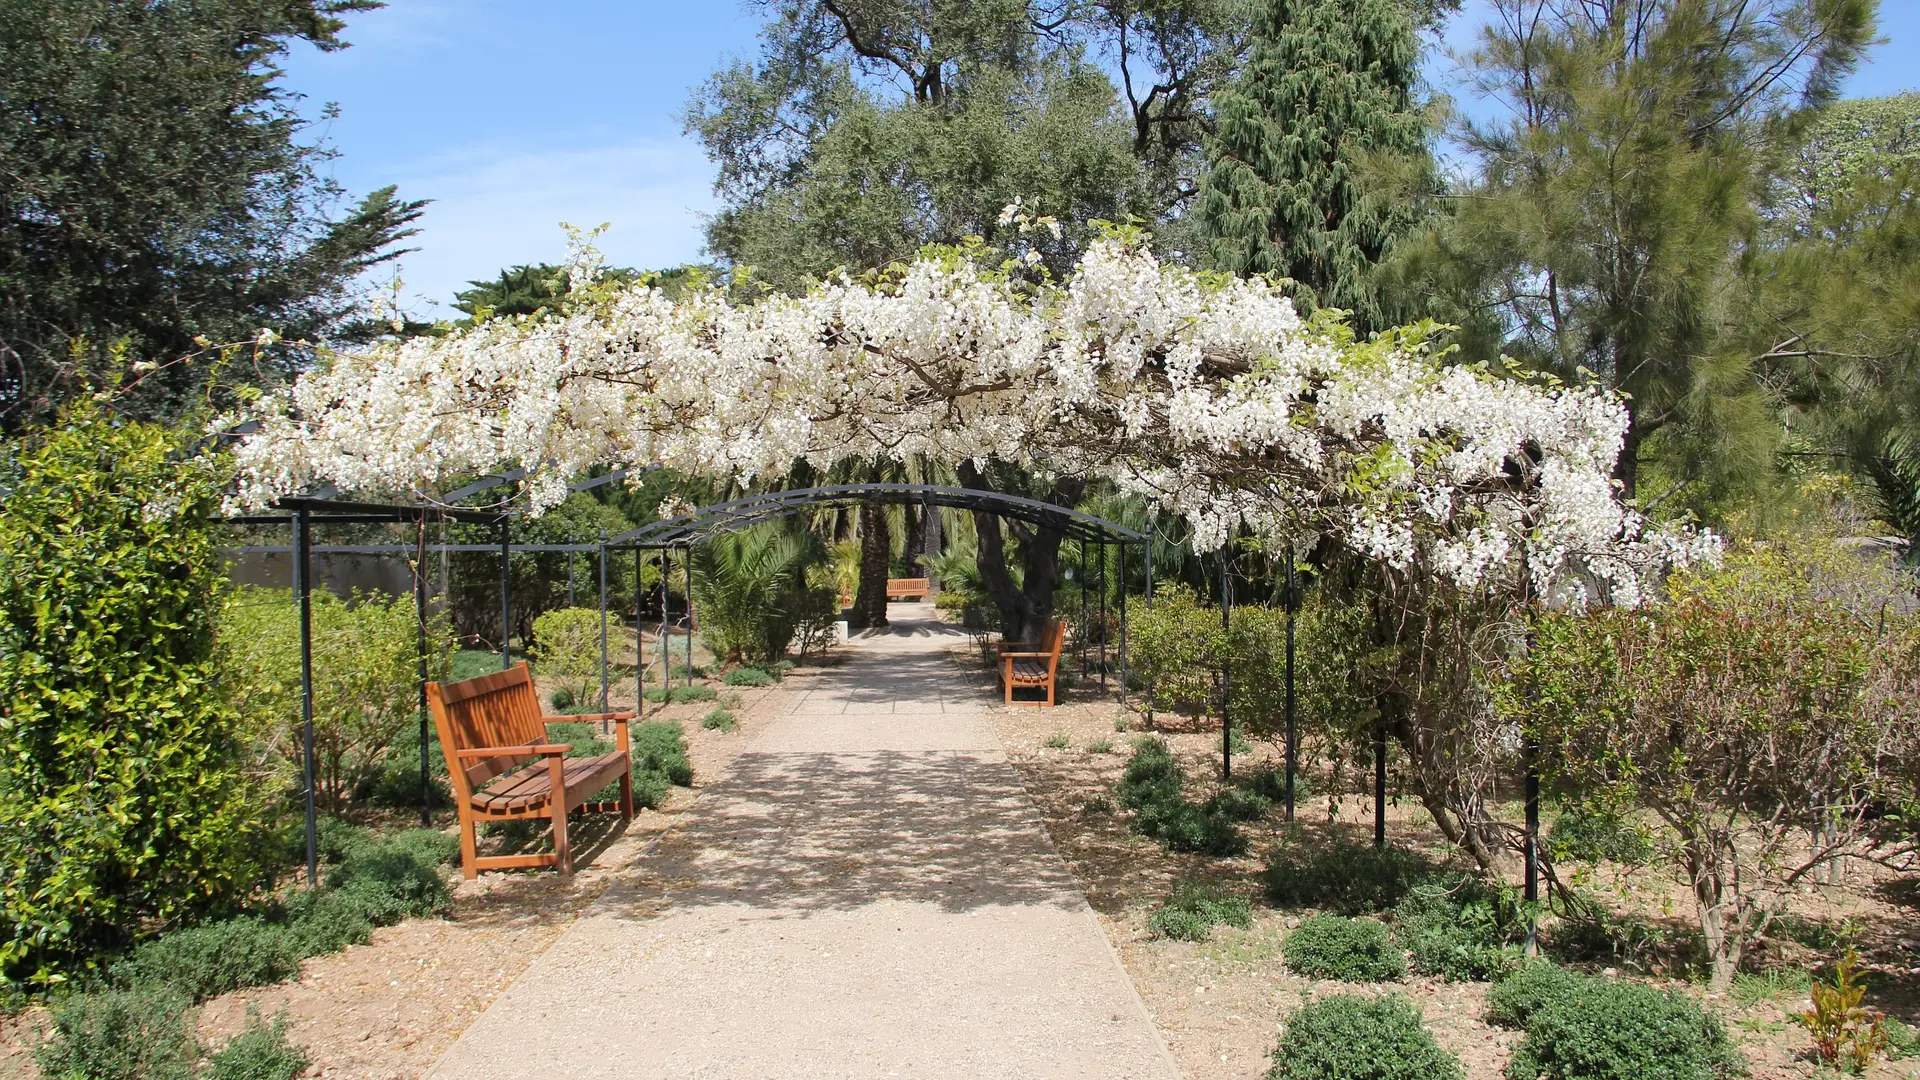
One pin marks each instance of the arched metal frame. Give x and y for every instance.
(302, 512)
(706, 522)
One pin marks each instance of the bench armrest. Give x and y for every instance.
(617, 717)
(1035, 655)
(542, 749)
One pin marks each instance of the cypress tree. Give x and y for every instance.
(1326, 83)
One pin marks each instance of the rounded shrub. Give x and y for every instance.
(324, 921)
(1239, 804)
(659, 747)
(719, 720)
(562, 699)
(1354, 1038)
(1350, 950)
(1607, 1030)
(1514, 999)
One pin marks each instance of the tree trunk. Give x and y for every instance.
(1024, 609)
(1719, 925)
(876, 551)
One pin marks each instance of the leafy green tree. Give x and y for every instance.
(124, 803)
(1832, 303)
(1601, 228)
(1328, 85)
(156, 184)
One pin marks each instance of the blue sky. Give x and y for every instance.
(516, 115)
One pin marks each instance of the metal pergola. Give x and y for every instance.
(704, 523)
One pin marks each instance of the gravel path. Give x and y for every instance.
(868, 893)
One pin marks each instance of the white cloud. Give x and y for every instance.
(494, 207)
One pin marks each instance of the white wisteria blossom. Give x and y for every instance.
(1208, 394)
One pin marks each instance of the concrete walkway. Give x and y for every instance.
(868, 893)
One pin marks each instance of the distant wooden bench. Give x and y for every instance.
(1032, 664)
(901, 588)
(502, 767)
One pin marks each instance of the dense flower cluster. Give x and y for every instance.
(1208, 394)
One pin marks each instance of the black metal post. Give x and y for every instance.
(1226, 675)
(665, 651)
(1293, 744)
(1123, 624)
(1532, 843)
(1103, 614)
(603, 624)
(1082, 545)
(420, 610)
(640, 637)
(1379, 783)
(689, 581)
(1148, 548)
(506, 599)
(569, 579)
(303, 592)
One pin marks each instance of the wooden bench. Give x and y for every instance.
(502, 767)
(1032, 664)
(901, 588)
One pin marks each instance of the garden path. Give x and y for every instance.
(869, 892)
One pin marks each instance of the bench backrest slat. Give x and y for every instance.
(501, 708)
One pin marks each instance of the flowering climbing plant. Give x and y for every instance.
(1208, 394)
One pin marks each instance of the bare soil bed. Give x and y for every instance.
(1220, 1003)
(388, 1009)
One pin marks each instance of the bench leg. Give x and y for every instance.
(626, 795)
(557, 809)
(1049, 693)
(469, 850)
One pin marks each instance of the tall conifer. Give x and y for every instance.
(1327, 83)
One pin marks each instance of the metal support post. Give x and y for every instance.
(506, 599)
(689, 581)
(1103, 615)
(1082, 545)
(1226, 677)
(1379, 783)
(420, 613)
(303, 593)
(1293, 743)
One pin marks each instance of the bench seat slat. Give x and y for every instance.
(529, 788)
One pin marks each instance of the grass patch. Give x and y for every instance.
(680, 694)
(1057, 741)
(1100, 746)
(750, 676)
(719, 720)
(1751, 988)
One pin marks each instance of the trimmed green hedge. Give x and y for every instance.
(1354, 1038)
(1350, 950)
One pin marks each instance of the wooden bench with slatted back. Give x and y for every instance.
(907, 588)
(502, 767)
(1032, 664)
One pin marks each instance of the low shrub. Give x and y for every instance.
(680, 694)
(1058, 741)
(1344, 1037)
(1100, 746)
(391, 881)
(658, 746)
(719, 720)
(1183, 826)
(206, 961)
(1350, 950)
(1272, 783)
(261, 1052)
(323, 922)
(1607, 1030)
(1151, 788)
(1526, 990)
(143, 1033)
(1239, 804)
(1583, 834)
(1460, 928)
(1194, 909)
(562, 699)
(750, 676)
(1352, 879)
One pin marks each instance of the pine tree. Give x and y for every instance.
(1328, 84)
